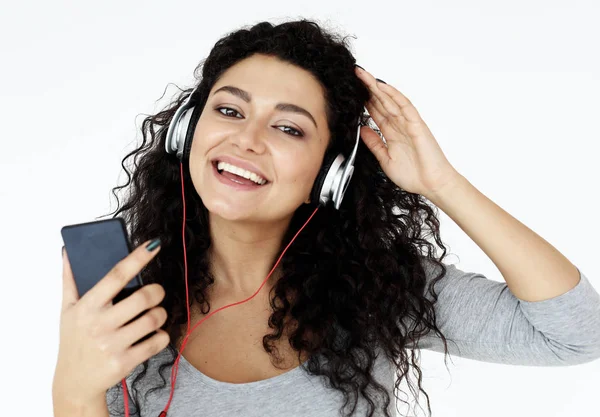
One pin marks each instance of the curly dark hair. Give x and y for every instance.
(355, 272)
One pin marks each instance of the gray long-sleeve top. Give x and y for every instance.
(480, 318)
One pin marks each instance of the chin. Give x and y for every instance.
(236, 212)
(229, 210)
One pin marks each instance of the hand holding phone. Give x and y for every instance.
(97, 337)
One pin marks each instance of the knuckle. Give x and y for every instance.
(162, 315)
(95, 330)
(116, 364)
(153, 319)
(395, 113)
(385, 121)
(118, 272)
(80, 320)
(146, 297)
(140, 255)
(103, 345)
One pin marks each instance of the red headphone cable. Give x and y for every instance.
(175, 368)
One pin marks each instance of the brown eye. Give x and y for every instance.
(297, 134)
(227, 108)
(290, 132)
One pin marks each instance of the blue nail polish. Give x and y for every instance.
(153, 245)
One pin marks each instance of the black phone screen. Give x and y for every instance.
(93, 249)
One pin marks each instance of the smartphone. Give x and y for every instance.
(93, 249)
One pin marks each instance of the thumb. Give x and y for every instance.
(70, 294)
(375, 145)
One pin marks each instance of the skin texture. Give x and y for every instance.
(247, 226)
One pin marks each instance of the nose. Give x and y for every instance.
(251, 138)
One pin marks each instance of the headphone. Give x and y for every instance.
(331, 182)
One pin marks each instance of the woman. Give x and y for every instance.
(358, 292)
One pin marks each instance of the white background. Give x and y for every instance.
(510, 90)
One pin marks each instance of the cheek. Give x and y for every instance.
(203, 142)
(199, 140)
(301, 174)
(206, 134)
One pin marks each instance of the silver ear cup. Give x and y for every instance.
(344, 174)
(178, 127)
(331, 179)
(177, 131)
(342, 185)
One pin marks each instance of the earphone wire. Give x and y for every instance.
(175, 368)
(337, 196)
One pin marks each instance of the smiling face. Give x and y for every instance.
(267, 117)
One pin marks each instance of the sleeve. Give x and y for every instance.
(483, 320)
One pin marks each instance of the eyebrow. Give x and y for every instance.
(289, 107)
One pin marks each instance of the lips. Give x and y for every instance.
(234, 175)
(224, 178)
(240, 163)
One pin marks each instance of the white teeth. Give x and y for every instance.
(241, 172)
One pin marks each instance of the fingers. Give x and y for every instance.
(384, 123)
(409, 111)
(389, 102)
(375, 145)
(70, 295)
(117, 278)
(379, 99)
(142, 299)
(148, 348)
(381, 120)
(152, 320)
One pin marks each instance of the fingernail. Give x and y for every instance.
(153, 245)
(356, 65)
(62, 250)
(381, 81)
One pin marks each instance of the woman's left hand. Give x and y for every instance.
(413, 159)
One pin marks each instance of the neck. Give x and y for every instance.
(243, 254)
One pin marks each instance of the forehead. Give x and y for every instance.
(264, 68)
